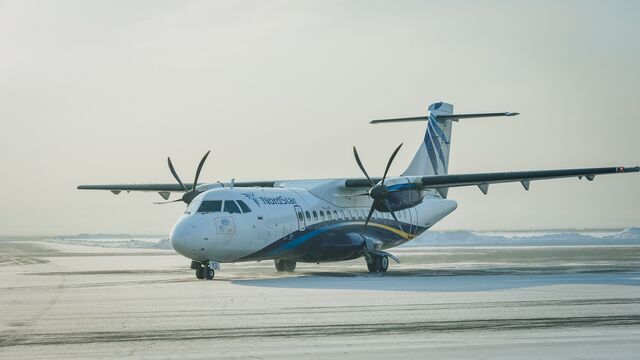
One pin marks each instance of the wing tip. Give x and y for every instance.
(622, 169)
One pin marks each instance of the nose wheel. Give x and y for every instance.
(200, 273)
(209, 273)
(203, 270)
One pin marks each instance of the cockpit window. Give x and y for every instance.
(245, 208)
(230, 206)
(210, 206)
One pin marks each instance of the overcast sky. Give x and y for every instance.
(103, 91)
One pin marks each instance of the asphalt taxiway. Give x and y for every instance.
(69, 301)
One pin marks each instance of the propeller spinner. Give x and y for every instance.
(379, 192)
(188, 195)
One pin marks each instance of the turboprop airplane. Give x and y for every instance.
(326, 220)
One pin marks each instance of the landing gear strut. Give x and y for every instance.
(377, 263)
(203, 270)
(285, 265)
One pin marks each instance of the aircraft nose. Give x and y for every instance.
(183, 236)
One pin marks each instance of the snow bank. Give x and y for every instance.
(115, 242)
(629, 236)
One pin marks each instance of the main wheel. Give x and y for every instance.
(378, 264)
(285, 265)
(209, 273)
(383, 264)
(372, 266)
(200, 273)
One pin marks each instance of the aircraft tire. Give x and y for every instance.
(372, 266)
(378, 264)
(209, 273)
(383, 264)
(285, 265)
(200, 273)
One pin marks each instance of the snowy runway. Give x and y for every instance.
(62, 301)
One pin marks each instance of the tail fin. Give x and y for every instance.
(432, 157)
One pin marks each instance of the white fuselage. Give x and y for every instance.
(252, 224)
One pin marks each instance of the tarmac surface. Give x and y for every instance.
(70, 301)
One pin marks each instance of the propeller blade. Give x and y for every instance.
(175, 174)
(389, 163)
(167, 202)
(355, 153)
(195, 181)
(373, 208)
(354, 195)
(388, 206)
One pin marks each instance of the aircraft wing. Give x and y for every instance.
(165, 189)
(482, 180)
(437, 182)
(117, 188)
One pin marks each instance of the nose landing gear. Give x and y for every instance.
(204, 270)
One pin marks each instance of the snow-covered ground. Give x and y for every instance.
(62, 301)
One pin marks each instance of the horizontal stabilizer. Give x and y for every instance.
(453, 117)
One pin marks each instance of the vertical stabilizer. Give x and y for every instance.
(432, 157)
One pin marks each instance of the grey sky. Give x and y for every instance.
(102, 92)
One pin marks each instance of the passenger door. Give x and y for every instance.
(300, 216)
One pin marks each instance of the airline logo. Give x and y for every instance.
(434, 141)
(267, 200)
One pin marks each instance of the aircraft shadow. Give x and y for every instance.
(441, 281)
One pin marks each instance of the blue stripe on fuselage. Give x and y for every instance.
(283, 245)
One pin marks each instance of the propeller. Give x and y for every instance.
(188, 195)
(379, 192)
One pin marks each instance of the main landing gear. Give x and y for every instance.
(285, 265)
(377, 263)
(203, 270)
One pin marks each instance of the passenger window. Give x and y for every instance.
(210, 206)
(321, 215)
(308, 215)
(329, 215)
(349, 214)
(231, 207)
(315, 216)
(335, 214)
(300, 217)
(245, 208)
(342, 214)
